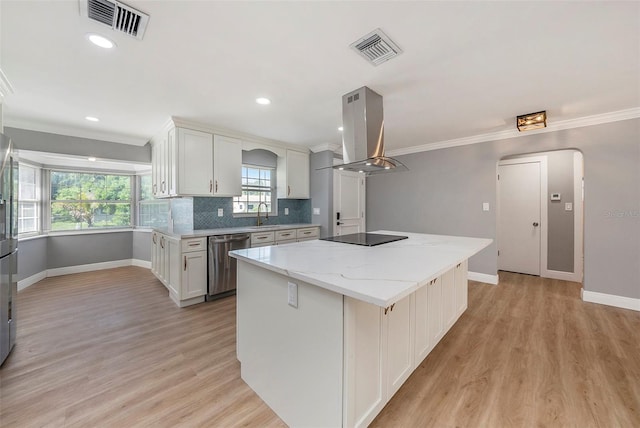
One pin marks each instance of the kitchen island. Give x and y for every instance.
(327, 332)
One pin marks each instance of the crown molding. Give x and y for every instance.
(596, 119)
(52, 128)
(5, 86)
(332, 147)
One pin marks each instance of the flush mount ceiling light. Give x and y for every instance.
(91, 159)
(530, 121)
(92, 119)
(101, 41)
(263, 101)
(341, 129)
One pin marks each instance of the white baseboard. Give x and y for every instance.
(141, 263)
(24, 283)
(67, 270)
(483, 277)
(610, 300)
(565, 276)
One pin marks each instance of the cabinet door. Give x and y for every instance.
(364, 359)
(461, 286)
(227, 166)
(448, 300)
(159, 155)
(154, 253)
(172, 261)
(194, 275)
(297, 175)
(434, 312)
(170, 168)
(399, 343)
(422, 344)
(195, 163)
(155, 169)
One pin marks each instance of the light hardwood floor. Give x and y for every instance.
(109, 349)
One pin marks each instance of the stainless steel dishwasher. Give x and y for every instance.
(222, 267)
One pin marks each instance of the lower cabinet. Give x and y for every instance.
(383, 346)
(181, 265)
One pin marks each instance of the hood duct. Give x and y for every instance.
(363, 134)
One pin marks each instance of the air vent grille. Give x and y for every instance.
(376, 47)
(119, 16)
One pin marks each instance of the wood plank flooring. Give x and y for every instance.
(109, 349)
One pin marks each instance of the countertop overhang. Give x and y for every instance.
(199, 233)
(380, 275)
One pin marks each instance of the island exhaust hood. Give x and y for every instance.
(363, 134)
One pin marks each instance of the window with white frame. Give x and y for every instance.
(28, 199)
(89, 200)
(258, 189)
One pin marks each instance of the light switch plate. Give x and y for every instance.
(220, 212)
(316, 211)
(292, 298)
(286, 211)
(485, 206)
(568, 206)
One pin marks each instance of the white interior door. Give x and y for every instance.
(519, 226)
(348, 203)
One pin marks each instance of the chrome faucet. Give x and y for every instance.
(266, 213)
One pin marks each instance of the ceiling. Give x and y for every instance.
(468, 68)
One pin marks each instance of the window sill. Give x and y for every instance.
(31, 237)
(252, 215)
(88, 231)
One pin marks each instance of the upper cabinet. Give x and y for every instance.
(187, 162)
(227, 166)
(293, 175)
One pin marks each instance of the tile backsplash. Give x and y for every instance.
(205, 213)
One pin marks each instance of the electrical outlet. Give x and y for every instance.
(568, 206)
(316, 211)
(220, 212)
(292, 297)
(286, 211)
(485, 206)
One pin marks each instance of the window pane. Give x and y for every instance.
(256, 187)
(145, 188)
(153, 213)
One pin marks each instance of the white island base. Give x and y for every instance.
(335, 360)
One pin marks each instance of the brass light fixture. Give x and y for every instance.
(530, 121)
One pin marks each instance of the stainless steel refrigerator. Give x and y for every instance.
(8, 246)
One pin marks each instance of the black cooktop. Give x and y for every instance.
(366, 239)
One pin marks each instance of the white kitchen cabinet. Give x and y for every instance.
(194, 162)
(172, 263)
(435, 322)
(449, 310)
(155, 253)
(378, 356)
(285, 236)
(194, 275)
(227, 166)
(293, 175)
(262, 239)
(461, 287)
(307, 234)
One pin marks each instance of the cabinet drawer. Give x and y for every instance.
(307, 233)
(194, 244)
(262, 238)
(285, 235)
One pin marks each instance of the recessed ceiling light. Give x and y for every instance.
(101, 41)
(92, 119)
(340, 129)
(91, 159)
(263, 101)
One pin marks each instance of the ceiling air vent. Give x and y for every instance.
(376, 47)
(116, 15)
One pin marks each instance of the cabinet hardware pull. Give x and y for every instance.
(392, 305)
(286, 234)
(154, 238)
(458, 265)
(306, 233)
(261, 237)
(162, 242)
(185, 262)
(385, 310)
(155, 188)
(162, 189)
(288, 190)
(216, 186)
(194, 244)
(210, 186)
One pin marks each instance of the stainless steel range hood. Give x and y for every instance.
(363, 134)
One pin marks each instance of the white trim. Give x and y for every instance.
(565, 276)
(324, 147)
(27, 282)
(610, 300)
(141, 263)
(578, 217)
(5, 86)
(542, 160)
(596, 119)
(88, 267)
(53, 234)
(483, 277)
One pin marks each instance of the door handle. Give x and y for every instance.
(338, 223)
(535, 224)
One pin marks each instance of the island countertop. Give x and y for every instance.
(380, 275)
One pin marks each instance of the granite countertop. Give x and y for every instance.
(380, 275)
(199, 233)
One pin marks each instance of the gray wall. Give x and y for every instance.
(72, 250)
(32, 257)
(560, 232)
(64, 144)
(321, 188)
(444, 190)
(141, 245)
